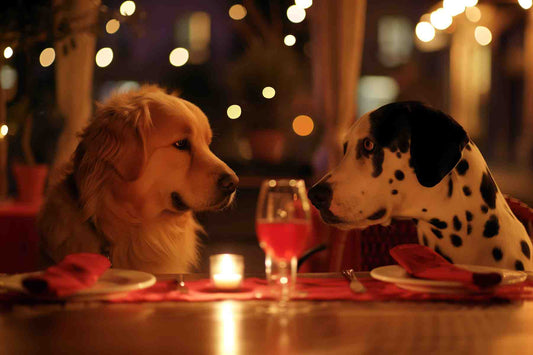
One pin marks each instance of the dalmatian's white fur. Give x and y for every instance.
(407, 160)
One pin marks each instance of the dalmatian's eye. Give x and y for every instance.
(368, 145)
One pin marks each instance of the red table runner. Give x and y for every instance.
(319, 289)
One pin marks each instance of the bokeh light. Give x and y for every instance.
(303, 125)
(47, 57)
(483, 35)
(112, 26)
(104, 57)
(237, 12)
(470, 3)
(295, 14)
(178, 57)
(4, 130)
(8, 52)
(289, 40)
(269, 92)
(8, 77)
(425, 31)
(454, 7)
(234, 112)
(304, 4)
(440, 19)
(473, 14)
(526, 4)
(127, 8)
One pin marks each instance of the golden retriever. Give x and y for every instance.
(142, 167)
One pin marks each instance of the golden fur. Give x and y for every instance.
(118, 190)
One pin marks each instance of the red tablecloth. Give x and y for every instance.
(19, 240)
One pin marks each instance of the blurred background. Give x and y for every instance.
(279, 80)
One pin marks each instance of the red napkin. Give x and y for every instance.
(74, 273)
(422, 262)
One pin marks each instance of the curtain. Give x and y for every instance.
(337, 30)
(74, 75)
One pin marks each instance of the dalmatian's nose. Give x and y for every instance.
(320, 195)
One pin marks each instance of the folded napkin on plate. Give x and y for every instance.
(422, 262)
(75, 272)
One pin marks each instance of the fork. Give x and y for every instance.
(180, 285)
(355, 285)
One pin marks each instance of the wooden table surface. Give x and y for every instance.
(233, 327)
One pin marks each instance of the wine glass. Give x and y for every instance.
(283, 223)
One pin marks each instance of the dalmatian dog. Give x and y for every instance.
(407, 160)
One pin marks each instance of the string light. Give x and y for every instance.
(237, 12)
(47, 57)
(473, 14)
(112, 26)
(304, 4)
(454, 7)
(425, 31)
(269, 92)
(104, 57)
(289, 40)
(127, 8)
(295, 14)
(178, 57)
(525, 4)
(303, 125)
(483, 35)
(234, 112)
(440, 19)
(8, 52)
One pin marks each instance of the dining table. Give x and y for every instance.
(248, 327)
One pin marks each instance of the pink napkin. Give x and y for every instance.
(74, 273)
(422, 262)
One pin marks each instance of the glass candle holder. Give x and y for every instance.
(226, 271)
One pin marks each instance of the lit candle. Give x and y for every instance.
(226, 271)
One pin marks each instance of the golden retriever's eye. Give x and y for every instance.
(368, 145)
(183, 144)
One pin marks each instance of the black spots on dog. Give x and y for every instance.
(394, 192)
(456, 240)
(492, 227)
(399, 155)
(450, 187)
(424, 240)
(518, 265)
(362, 192)
(469, 216)
(424, 209)
(525, 249)
(390, 181)
(497, 254)
(377, 162)
(468, 229)
(438, 223)
(399, 175)
(438, 251)
(488, 190)
(462, 167)
(467, 191)
(457, 223)
(437, 233)
(484, 209)
(378, 214)
(360, 212)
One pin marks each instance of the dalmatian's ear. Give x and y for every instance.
(437, 141)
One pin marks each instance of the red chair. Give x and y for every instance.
(369, 248)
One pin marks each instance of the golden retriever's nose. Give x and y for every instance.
(228, 183)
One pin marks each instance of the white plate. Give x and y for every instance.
(398, 276)
(112, 282)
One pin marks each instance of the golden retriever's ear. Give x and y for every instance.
(115, 140)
